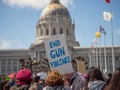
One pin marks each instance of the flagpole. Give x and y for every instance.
(105, 58)
(111, 26)
(90, 59)
(100, 49)
(100, 53)
(94, 59)
(94, 52)
(97, 36)
(96, 55)
(105, 53)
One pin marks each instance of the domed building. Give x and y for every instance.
(55, 19)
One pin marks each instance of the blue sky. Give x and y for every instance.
(18, 20)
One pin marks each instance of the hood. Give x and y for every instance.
(96, 85)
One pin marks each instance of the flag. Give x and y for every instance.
(107, 16)
(95, 41)
(102, 30)
(108, 1)
(97, 34)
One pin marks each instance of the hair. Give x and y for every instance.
(54, 78)
(109, 76)
(95, 74)
(36, 79)
(115, 81)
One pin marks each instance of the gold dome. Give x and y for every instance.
(55, 8)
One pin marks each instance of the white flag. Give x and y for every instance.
(107, 16)
(95, 41)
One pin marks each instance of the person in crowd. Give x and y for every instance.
(2, 82)
(12, 89)
(34, 87)
(55, 81)
(6, 86)
(24, 78)
(75, 80)
(115, 81)
(108, 78)
(95, 80)
(38, 83)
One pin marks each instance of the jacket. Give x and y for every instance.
(77, 81)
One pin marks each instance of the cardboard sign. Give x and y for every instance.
(57, 54)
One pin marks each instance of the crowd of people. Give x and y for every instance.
(94, 79)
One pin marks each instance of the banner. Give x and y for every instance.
(58, 54)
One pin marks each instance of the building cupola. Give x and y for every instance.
(55, 1)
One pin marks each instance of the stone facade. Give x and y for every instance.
(9, 60)
(90, 57)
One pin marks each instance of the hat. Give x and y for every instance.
(85, 75)
(24, 77)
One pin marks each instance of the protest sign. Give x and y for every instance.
(58, 54)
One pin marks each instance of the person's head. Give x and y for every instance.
(54, 78)
(95, 74)
(24, 77)
(69, 75)
(109, 75)
(115, 81)
(12, 88)
(36, 79)
(33, 87)
(108, 78)
(6, 86)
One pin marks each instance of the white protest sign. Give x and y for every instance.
(58, 54)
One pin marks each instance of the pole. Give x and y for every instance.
(94, 59)
(96, 56)
(105, 53)
(100, 54)
(111, 26)
(90, 59)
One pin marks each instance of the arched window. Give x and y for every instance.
(61, 31)
(47, 31)
(67, 32)
(54, 31)
(41, 32)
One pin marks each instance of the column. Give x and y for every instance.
(38, 56)
(12, 65)
(0, 66)
(6, 66)
(50, 29)
(18, 64)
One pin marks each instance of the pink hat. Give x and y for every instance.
(85, 75)
(24, 76)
